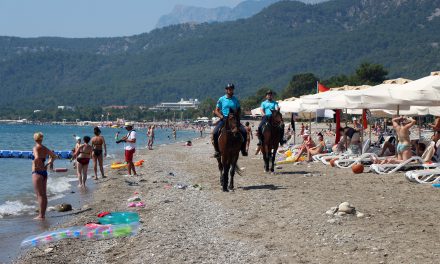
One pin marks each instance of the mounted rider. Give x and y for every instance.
(224, 104)
(266, 110)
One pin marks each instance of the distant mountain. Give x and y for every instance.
(195, 61)
(190, 14)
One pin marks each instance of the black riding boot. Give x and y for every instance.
(282, 141)
(216, 148)
(260, 137)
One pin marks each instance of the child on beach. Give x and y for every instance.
(39, 172)
(83, 154)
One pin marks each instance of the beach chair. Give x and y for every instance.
(365, 159)
(423, 176)
(346, 155)
(410, 164)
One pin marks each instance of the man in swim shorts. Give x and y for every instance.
(39, 172)
(402, 126)
(130, 147)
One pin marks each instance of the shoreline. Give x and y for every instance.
(269, 218)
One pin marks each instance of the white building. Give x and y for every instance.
(182, 105)
(66, 107)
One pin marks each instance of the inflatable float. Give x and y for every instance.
(117, 224)
(118, 165)
(290, 159)
(60, 170)
(95, 231)
(18, 154)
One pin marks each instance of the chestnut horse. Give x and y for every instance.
(229, 142)
(271, 139)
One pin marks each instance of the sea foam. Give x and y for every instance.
(10, 208)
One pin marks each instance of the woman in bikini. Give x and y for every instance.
(83, 154)
(98, 142)
(307, 144)
(39, 172)
(320, 148)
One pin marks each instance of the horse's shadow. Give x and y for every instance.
(262, 187)
(294, 172)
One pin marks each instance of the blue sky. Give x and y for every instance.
(88, 18)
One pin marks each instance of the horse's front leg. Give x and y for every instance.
(266, 157)
(225, 176)
(233, 168)
(272, 169)
(220, 168)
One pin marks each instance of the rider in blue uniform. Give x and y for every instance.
(225, 104)
(266, 107)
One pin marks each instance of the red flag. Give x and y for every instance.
(322, 88)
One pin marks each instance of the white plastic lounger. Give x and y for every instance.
(412, 163)
(423, 176)
(366, 158)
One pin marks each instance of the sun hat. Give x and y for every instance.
(77, 138)
(127, 124)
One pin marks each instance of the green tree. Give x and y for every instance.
(206, 107)
(254, 101)
(371, 74)
(300, 84)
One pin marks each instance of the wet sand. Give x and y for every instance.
(269, 218)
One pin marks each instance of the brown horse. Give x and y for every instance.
(271, 139)
(229, 143)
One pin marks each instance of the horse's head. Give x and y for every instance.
(276, 118)
(231, 122)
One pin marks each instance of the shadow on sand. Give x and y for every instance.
(294, 172)
(262, 187)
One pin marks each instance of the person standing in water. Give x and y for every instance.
(98, 145)
(39, 172)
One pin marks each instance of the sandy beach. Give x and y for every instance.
(269, 218)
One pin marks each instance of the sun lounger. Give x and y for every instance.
(423, 176)
(365, 159)
(410, 164)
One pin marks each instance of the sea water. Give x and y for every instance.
(17, 196)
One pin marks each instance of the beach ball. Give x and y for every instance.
(357, 168)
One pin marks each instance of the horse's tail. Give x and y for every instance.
(238, 170)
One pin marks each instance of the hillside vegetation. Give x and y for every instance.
(196, 61)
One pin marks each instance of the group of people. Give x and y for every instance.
(92, 148)
(85, 149)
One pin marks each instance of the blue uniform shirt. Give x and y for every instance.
(267, 106)
(224, 104)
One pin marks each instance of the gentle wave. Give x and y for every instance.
(11, 208)
(56, 185)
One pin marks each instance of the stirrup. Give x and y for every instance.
(216, 154)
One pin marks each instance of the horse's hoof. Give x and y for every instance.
(231, 188)
(225, 190)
